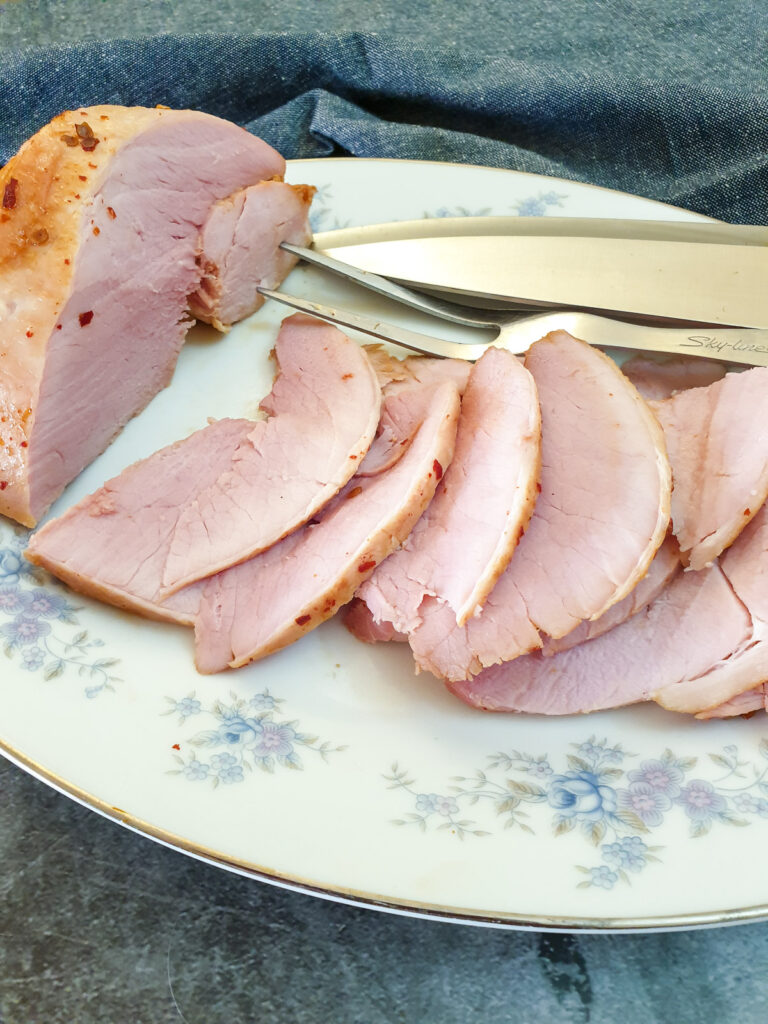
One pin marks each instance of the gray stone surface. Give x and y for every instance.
(101, 926)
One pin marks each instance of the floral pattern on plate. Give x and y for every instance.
(609, 803)
(247, 735)
(39, 625)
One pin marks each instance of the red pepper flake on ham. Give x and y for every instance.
(263, 604)
(602, 513)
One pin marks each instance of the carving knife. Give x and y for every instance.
(692, 271)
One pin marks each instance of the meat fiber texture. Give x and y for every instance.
(465, 539)
(602, 513)
(717, 439)
(662, 377)
(394, 372)
(240, 249)
(99, 227)
(271, 600)
(243, 484)
(701, 648)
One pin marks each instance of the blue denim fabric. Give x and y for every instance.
(668, 131)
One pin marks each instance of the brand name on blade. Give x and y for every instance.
(715, 344)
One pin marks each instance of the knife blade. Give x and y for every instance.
(696, 272)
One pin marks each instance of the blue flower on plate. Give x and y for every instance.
(582, 796)
(603, 877)
(13, 600)
(274, 739)
(32, 658)
(661, 776)
(701, 801)
(24, 630)
(195, 771)
(628, 852)
(227, 768)
(188, 706)
(47, 606)
(12, 565)
(646, 802)
(263, 702)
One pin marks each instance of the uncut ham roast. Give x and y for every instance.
(101, 214)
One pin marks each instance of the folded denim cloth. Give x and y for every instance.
(675, 134)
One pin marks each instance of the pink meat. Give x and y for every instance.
(465, 540)
(602, 513)
(660, 377)
(113, 544)
(117, 543)
(240, 249)
(271, 600)
(745, 566)
(98, 239)
(360, 622)
(323, 412)
(393, 371)
(746, 703)
(694, 624)
(665, 565)
(717, 439)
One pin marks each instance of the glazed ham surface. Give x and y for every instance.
(601, 515)
(271, 600)
(240, 249)
(99, 231)
(243, 485)
(465, 540)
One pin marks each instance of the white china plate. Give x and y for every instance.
(330, 767)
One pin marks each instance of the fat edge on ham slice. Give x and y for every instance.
(115, 544)
(101, 215)
(465, 539)
(602, 513)
(262, 605)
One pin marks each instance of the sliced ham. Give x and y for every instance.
(323, 412)
(746, 703)
(271, 600)
(240, 249)
(465, 540)
(701, 648)
(101, 215)
(359, 620)
(112, 545)
(602, 513)
(665, 565)
(694, 624)
(657, 378)
(745, 566)
(717, 439)
(258, 479)
(392, 371)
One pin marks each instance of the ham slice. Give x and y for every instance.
(694, 624)
(323, 413)
(359, 620)
(602, 513)
(657, 378)
(271, 600)
(240, 249)
(663, 568)
(99, 228)
(717, 439)
(261, 479)
(745, 566)
(392, 371)
(465, 540)
(701, 647)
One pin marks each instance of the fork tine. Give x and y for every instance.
(412, 340)
(427, 304)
